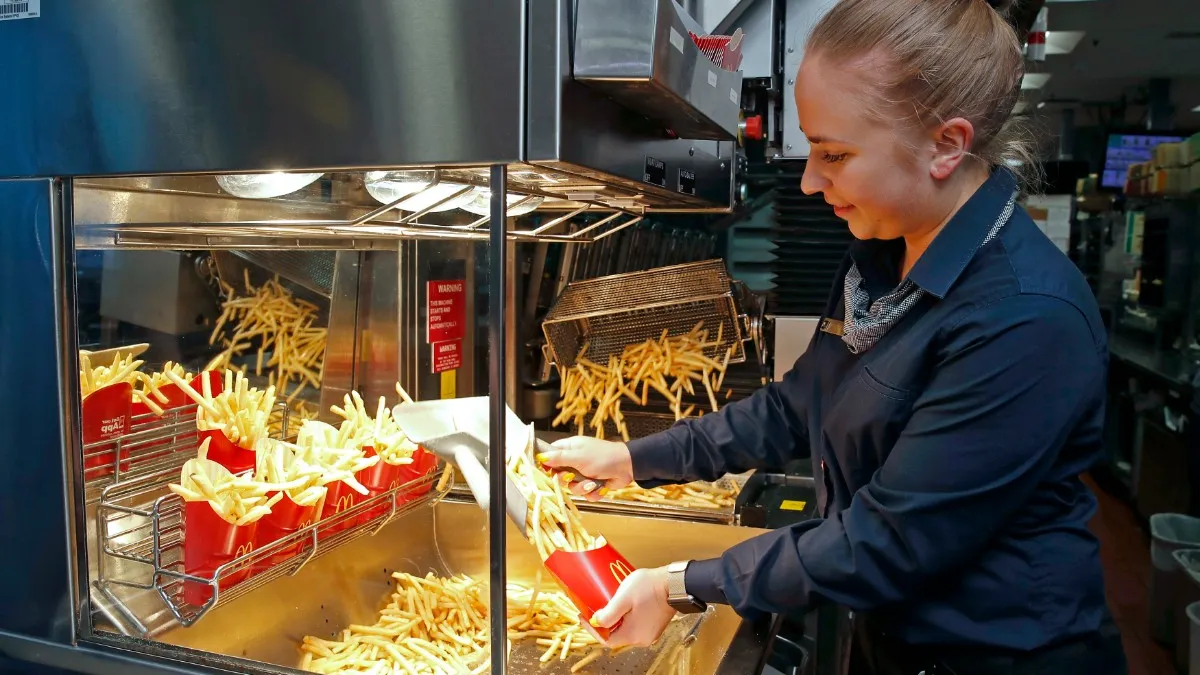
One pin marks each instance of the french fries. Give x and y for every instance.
(238, 502)
(672, 366)
(554, 522)
(149, 393)
(434, 625)
(239, 411)
(322, 445)
(380, 431)
(271, 317)
(93, 378)
(281, 466)
(698, 495)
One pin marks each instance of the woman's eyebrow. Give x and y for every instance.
(820, 140)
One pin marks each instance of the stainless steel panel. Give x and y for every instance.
(347, 586)
(576, 130)
(640, 53)
(754, 17)
(174, 86)
(177, 301)
(802, 17)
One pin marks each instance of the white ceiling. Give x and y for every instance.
(1125, 42)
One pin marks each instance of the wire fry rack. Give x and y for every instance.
(141, 530)
(610, 313)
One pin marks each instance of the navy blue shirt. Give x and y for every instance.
(947, 457)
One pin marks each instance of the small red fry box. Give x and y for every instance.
(590, 578)
(424, 463)
(339, 499)
(106, 415)
(210, 541)
(285, 518)
(176, 398)
(380, 478)
(226, 453)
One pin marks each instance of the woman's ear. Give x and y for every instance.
(952, 143)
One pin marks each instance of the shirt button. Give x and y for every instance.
(850, 615)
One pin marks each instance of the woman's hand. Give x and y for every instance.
(590, 466)
(640, 606)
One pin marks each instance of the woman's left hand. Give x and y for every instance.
(640, 606)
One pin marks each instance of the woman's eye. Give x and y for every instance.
(832, 158)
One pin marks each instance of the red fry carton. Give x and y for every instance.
(176, 398)
(228, 454)
(285, 518)
(106, 415)
(339, 499)
(209, 542)
(424, 463)
(590, 578)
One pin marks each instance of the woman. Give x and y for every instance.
(951, 400)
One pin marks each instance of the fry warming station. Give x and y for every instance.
(284, 212)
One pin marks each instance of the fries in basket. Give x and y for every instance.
(697, 495)
(379, 432)
(592, 393)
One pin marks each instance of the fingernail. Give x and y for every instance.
(540, 457)
(588, 486)
(594, 621)
(568, 477)
(603, 491)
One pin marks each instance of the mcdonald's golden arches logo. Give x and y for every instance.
(244, 549)
(344, 502)
(620, 570)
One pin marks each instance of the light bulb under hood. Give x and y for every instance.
(388, 186)
(265, 185)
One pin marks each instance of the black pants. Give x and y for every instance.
(1099, 653)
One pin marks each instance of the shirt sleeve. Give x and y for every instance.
(1015, 378)
(765, 430)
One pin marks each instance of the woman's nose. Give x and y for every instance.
(812, 181)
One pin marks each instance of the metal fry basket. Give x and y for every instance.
(610, 313)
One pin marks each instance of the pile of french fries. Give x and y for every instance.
(434, 625)
(671, 366)
(237, 501)
(698, 495)
(93, 378)
(239, 411)
(380, 431)
(554, 522)
(275, 320)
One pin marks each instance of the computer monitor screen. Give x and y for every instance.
(1126, 149)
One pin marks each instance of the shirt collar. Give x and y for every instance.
(950, 251)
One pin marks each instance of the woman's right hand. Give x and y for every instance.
(590, 466)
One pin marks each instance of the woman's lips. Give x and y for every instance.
(842, 211)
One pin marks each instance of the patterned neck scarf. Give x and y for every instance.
(866, 322)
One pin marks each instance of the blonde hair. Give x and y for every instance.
(934, 60)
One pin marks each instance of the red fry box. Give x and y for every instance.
(106, 415)
(424, 463)
(226, 453)
(590, 578)
(378, 479)
(339, 499)
(176, 398)
(210, 541)
(285, 518)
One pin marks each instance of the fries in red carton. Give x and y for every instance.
(587, 567)
(107, 409)
(330, 449)
(221, 516)
(281, 470)
(238, 412)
